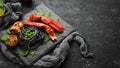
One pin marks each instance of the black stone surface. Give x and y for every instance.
(98, 21)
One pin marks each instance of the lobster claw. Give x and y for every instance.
(48, 21)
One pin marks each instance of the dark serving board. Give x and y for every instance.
(42, 49)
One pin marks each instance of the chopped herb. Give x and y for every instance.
(39, 12)
(46, 39)
(56, 19)
(4, 37)
(47, 14)
(25, 52)
(8, 31)
(32, 52)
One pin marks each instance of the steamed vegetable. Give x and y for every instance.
(28, 34)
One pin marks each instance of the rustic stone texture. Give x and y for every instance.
(97, 20)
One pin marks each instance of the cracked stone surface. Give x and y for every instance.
(98, 21)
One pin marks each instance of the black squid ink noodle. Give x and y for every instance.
(30, 37)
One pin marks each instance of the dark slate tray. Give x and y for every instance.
(43, 49)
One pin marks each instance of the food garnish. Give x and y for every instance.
(39, 12)
(46, 39)
(8, 31)
(56, 19)
(25, 52)
(32, 52)
(28, 34)
(47, 14)
(4, 37)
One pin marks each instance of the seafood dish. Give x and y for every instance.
(40, 39)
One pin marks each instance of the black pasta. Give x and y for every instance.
(32, 42)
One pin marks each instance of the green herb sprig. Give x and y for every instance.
(27, 52)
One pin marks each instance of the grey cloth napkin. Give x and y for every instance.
(51, 53)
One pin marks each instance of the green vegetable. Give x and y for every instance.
(25, 52)
(1, 2)
(28, 34)
(46, 39)
(47, 14)
(56, 19)
(32, 52)
(4, 37)
(57, 33)
(8, 31)
(39, 12)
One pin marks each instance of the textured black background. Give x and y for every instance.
(98, 21)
